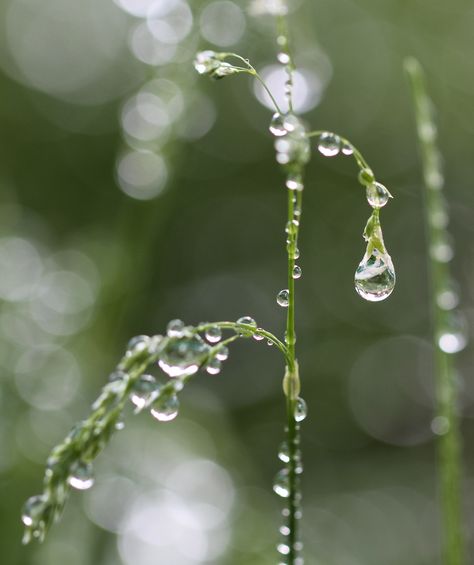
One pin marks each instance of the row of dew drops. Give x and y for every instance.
(184, 354)
(375, 276)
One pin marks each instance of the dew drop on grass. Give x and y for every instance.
(297, 272)
(214, 366)
(377, 195)
(283, 58)
(222, 353)
(301, 410)
(138, 343)
(281, 485)
(284, 453)
(175, 328)
(329, 144)
(276, 126)
(454, 337)
(142, 390)
(294, 181)
(283, 548)
(347, 148)
(183, 356)
(258, 337)
(213, 334)
(33, 510)
(81, 475)
(283, 298)
(165, 408)
(375, 276)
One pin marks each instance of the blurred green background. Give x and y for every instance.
(133, 191)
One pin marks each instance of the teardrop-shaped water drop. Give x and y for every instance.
(143, 389)
(175, 328)
(297, 272)
(33, 510)
(214, 366)
(81, 475)
(213, 334)
(301, 410)
(281, 485)
(183, 356)
(329, 144)
(165, 408)
(222, 353)
(375, 276)
(377, 195)
(283, 298)
(284, 452)
(276, 126)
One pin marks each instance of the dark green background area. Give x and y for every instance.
(212, 247)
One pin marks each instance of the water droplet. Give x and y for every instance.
(296, 254)
(440, 425)
(294, 181)
(248, 321)
(283, 298)
(165, 408)
(442, 251)
(258, 337)
(118, 376)
(377, 195)
(269, 343)
(214, 366)
(283, 58)
(375, 276)
(292, 227)
(347, 148)
(222, 353)
(329, 144)
(175, 328)
(439, 219)
(284, 452)
(285, 530)
(291, 123)
(283, 548)
(281, 485)
(447, 299)
(301, 410)
(81, 477)
(183, 356)
(276, 126)
(138, 343)
(143, 390)
(297, 272)
(213, 334)
(33, 510)
(366, 177)
(454, 338)
(119, 425)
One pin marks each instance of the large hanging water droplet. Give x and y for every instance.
(329, 144)
(276, 126)
(175, 328)
(165, 408)
(214, 366)
(297, 272)
(283, 298)
(284, 452)
(375, 276)
(301, 410)
(281, 485)
(81, 475)
(183, 356)
(144, 388)
(213, 334)
(33, 510)
(377, 195)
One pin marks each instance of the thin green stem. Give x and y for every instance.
(268, 91)
(449, 441)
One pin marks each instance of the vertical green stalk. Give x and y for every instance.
(446, 422)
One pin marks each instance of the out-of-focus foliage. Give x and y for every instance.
(133, 192)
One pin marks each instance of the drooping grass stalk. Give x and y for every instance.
(447, 331)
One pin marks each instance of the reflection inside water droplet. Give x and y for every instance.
(375, 276)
